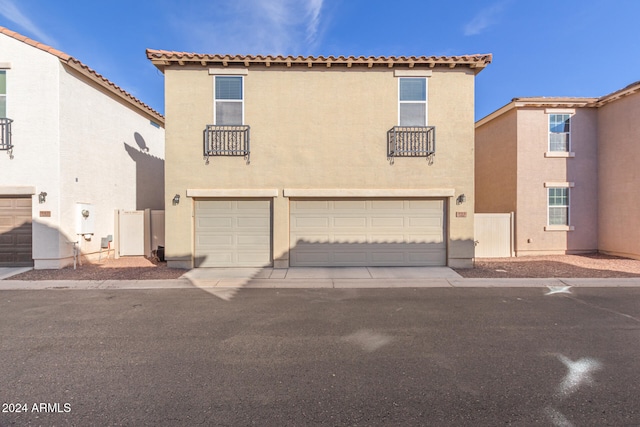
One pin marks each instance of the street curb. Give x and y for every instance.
(236, 282)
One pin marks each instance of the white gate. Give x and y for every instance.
(131, 233)
(493, 235)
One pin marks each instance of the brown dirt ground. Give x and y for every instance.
(124, 268)
(567, 266)
(577, 266)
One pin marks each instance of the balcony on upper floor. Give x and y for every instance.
(226, 140)
(411, 141)
(6, 144)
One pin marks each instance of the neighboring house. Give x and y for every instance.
(71, 142)
(318, 161)
(568, 169)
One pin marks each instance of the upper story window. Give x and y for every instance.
(559, 132)
(412, 101)
(229, 100)
(558, 205)
(3, 93)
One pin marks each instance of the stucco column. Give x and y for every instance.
(280, 231)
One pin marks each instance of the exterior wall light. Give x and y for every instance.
(176, 199)
(461, 199)
(42, 197)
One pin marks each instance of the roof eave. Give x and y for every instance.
(162, 59)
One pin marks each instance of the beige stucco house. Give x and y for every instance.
(567, 168)
(318, 161)
(74, 147)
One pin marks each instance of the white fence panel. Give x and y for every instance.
(493, 235)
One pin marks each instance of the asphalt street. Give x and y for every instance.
(430, 356)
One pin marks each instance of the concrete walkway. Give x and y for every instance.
(347, 277)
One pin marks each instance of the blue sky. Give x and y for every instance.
(540, 47)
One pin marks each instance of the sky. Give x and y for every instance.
(581, 48)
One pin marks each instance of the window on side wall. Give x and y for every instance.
(412, 101)
(558, 206)
(3, 94)
(229, 100)
(559, 132)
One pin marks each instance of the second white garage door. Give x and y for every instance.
(232, 233)
(360, 232)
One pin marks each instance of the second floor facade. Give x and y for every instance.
(318, 122)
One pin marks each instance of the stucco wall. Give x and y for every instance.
(534, 169)
(317, 128)
(619, 178)
(65, 128)
(496, 165)
(33, 104)
(107, 152)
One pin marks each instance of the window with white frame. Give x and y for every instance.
(412, 101)
(558, 205)
(559, 132)
(3, 93)
(229, 100)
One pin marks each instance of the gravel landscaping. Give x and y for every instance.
(563, 266)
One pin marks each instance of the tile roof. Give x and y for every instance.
(162, 58)
(88, 72)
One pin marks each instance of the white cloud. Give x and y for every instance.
(256, 26)
(485, 18)
(11, 12)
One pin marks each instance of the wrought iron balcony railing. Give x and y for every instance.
(5, 135)
(226, 141)
(411, 141)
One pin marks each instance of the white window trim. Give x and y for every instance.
(425, 102)
(567, 153)
(227, 100)
(568, 186)
(5, 94)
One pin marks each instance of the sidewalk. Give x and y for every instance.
(308, 278)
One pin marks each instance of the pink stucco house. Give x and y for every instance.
(567, 168)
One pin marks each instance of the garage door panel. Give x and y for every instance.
(203, 206)
(253, 240)
(424, 221)
(233, 233)
(214, 223)
(212, 240)
(349, 222)
(387, 204)
(349, 204)
(428, 239)
(261, 223)
(310, 205)
(387, 238)
(392, 258)
(304, 222)
(15, 231)
(351, 257)
(387, 222)
(382, 232)
(347, 238)
(426, 205)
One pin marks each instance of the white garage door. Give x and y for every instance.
(362, 232)
(233, 233)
